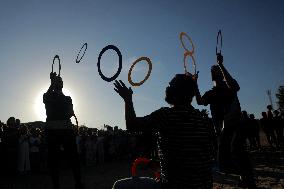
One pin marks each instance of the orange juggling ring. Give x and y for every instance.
(183, 45)
(148, 74)
(187, 52)
(142, 161)
(193, 61)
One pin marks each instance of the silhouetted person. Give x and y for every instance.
(10, 144)
(277, 122)
(35, 143)
(59, 110)
(269, 112)
(245, 124)
(267, 125)
(255, 130)
(23, 154)
(226, 114)
(184, 136)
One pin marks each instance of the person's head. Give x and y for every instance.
(216, 73)
(245, 114)
(11, 122)
(269, 107)
(180, 90)
(251, 116)
(18, 122)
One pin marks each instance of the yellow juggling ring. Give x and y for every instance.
(187, 53)
(148, 74)
(183, 45)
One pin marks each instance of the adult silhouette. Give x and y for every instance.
(60, 133)
(226, 115)
(184, 135)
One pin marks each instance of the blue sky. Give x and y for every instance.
(33, 31)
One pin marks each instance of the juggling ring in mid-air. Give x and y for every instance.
(86, 46)
(221, 42)
(183, 45)
(109, 79)
(56, 57)
(193, 62)
(187, 52)
(148, 74)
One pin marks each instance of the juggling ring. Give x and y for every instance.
(148, 74)
(221, 41)
(187, 53)
(109, 79)
(56, 57)
(85, 44)
(183, 45)
(139, 161)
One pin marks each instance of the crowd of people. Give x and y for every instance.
(271, 125)
(23, 147)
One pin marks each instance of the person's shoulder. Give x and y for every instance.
(68, 98)
(161, 111)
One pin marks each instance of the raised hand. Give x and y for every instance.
(122, 90)
(219, 58)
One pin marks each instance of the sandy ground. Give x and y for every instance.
(269, 170)
(268, 165)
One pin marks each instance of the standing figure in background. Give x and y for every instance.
(9, 147)
(23, 150)
(278, 127)
(226, 115)
(255, 130)
(271, 125)
(34, 150)
(60, 132)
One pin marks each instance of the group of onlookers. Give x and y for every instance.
(23, 148)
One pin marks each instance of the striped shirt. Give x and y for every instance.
(185, 146)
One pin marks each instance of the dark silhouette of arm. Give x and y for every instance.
(231, 83)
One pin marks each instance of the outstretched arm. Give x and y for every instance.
(231, 83)
(198, 97)
(126, 94)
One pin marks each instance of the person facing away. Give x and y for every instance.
(60, 133)
(184, 136)
(226, 115)
(255, 130)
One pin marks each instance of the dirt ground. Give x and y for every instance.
(268, 166)
(269, 171)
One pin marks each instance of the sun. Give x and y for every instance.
(39, 107)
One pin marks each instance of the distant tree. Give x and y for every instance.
(280, 97)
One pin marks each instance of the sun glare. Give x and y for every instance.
(39, 107)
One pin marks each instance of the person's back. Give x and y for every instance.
(185, 146)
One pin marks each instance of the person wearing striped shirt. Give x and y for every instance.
(184, 136)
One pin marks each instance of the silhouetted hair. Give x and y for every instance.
(180, 90)
(269, 107)
(11, 121)
(251, 116)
